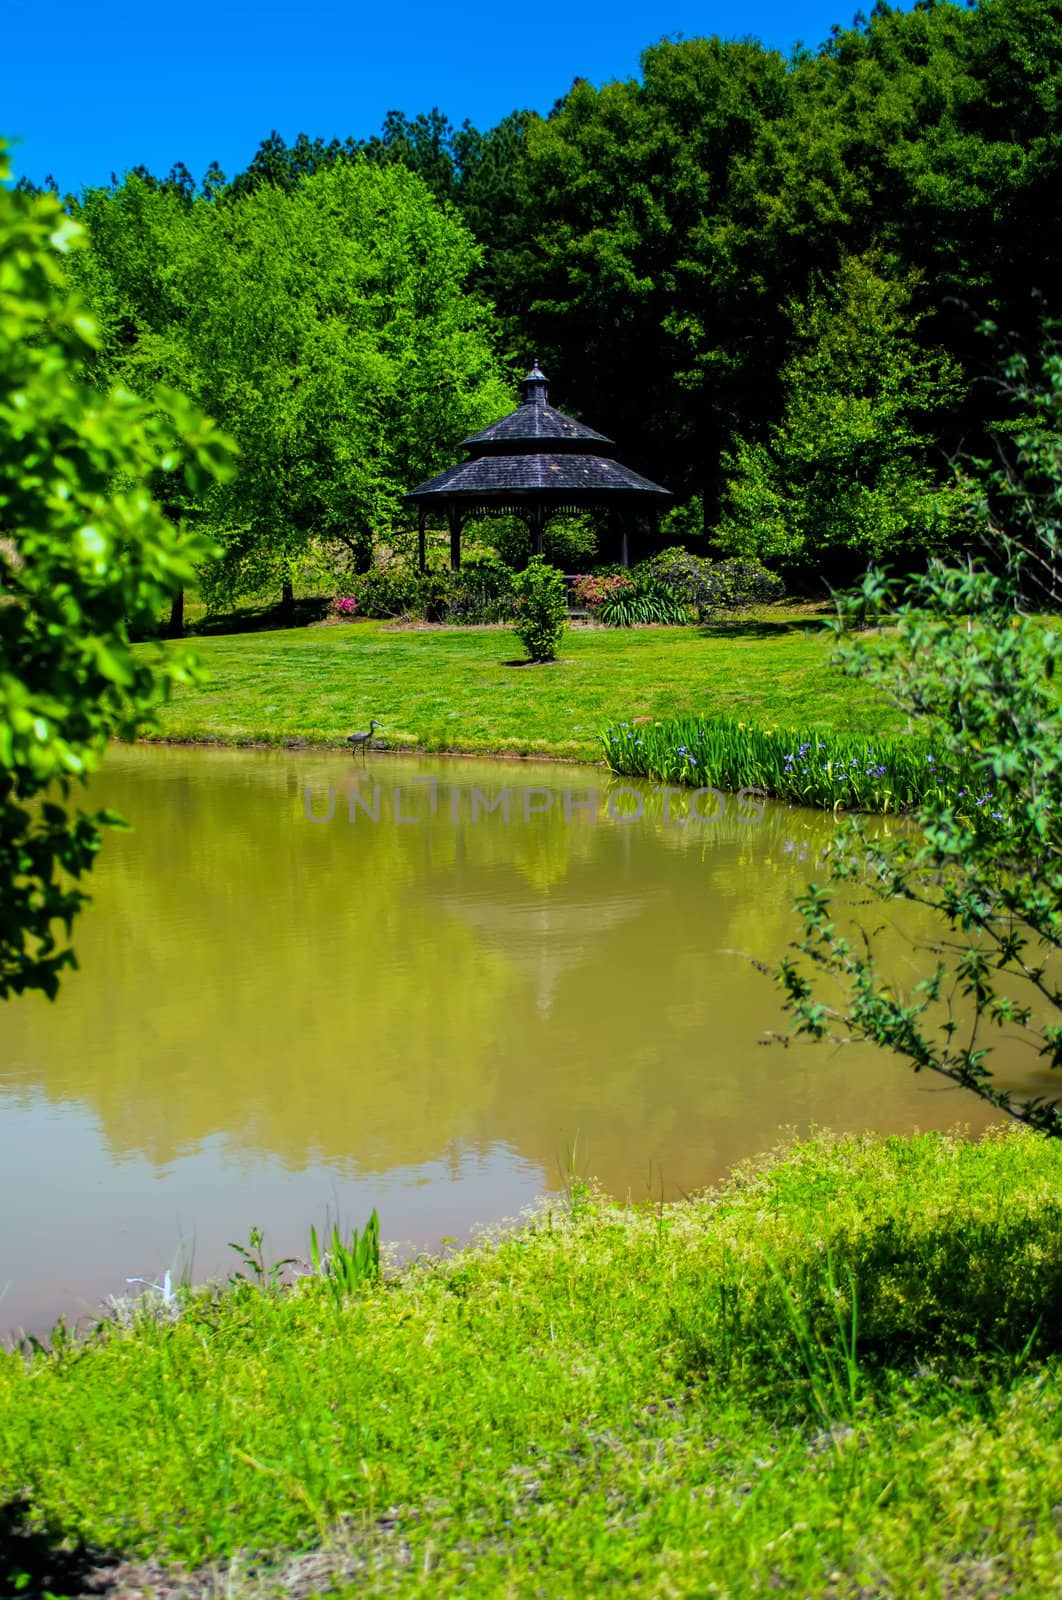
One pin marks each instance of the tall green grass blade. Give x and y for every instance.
(806, 767)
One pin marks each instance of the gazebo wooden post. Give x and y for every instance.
(422, 517)
(453, 517)
(538, 527)
(616, 541)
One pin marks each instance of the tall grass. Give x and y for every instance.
(805, 766)
(347, 1268)
(838, 1370)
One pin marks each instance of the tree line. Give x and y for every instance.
(779, 282)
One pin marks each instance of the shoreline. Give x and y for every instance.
(399, 750)
(454, 692)
(809, 1340)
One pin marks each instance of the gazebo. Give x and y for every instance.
(536, 463)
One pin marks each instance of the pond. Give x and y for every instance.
(310, 986)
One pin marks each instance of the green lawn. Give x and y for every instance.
(462, 689)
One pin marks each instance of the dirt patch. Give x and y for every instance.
(348, 1555)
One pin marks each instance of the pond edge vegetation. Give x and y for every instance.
(862, 1328)
(838, 1366)
(802, 766)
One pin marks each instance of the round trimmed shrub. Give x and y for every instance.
(541, 609)
(743, 581)
(713, 585)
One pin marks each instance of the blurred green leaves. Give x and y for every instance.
(86, 558)
(964, 658)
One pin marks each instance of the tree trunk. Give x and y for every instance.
(175, 626)
(287, 604)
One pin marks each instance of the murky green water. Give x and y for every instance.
(313, 986)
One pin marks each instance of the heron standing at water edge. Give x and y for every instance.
(360, 741)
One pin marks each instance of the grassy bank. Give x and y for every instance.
(463, 689)
(836, 1376)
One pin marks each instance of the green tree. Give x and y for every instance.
(328, 326)
(137, 231)
(646, 238)
(86, 558)
(614, 261)
(964, 657)
(846, 476)
(1020, 486)
(653, 232)
(423, 144)
(283, 166)
(488, 186)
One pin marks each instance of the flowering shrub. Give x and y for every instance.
(686, 575)
(621, 598)
(396, 591)
(594, 589)
(479, 591)
(344, 606)
(743, 581)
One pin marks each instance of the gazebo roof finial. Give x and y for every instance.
(536, 386)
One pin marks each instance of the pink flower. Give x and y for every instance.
(594, 591)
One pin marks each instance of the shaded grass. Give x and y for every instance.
(836, 1375)
(458, 689)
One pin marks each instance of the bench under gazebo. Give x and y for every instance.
(536, 463)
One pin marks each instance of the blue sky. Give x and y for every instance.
(95, 86)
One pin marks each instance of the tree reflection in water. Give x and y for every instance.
(350, 998)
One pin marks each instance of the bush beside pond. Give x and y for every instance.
(541, 609)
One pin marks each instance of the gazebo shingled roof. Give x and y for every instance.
(534, 463)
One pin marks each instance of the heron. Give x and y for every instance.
(360, 741)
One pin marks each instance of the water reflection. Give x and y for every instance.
(416, 985)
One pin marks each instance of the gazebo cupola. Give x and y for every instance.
(536, 463)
